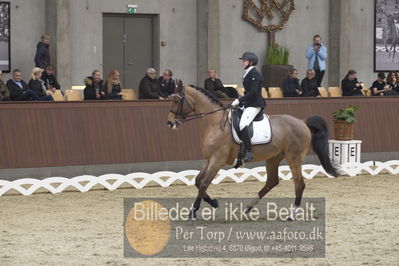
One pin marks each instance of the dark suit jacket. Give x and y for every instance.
(15, 90)
(253, 90)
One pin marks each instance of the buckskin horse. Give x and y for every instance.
(291, 140)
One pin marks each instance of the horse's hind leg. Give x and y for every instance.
(296, 170)
(272, 180)
(213, 202)
(295, 161)
(390, 51)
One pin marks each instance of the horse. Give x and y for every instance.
(291, 140)
(392, 30)
(395, 42)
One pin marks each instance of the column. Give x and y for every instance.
(334, 43)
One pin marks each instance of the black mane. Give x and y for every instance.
(210, 96)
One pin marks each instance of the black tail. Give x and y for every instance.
(318, 127)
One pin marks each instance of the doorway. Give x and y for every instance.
(129, 45)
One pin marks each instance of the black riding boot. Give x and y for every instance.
(246, 139)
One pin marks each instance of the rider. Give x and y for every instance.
(252, 101)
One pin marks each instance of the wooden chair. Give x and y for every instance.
(323, 92)
(265, 95)
(240, 91)
(58, 97)
(79, 87)
(73, 95)
(235, 86)
(275, 92)
(365, 91)
(129, 95)
(335, 91)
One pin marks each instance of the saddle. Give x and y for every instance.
(259, 130)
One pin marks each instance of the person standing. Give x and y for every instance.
(317, 55)
(42, 58)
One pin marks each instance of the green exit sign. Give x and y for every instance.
(132, 9)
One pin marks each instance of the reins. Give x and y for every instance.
(202, 115)
(182, 118)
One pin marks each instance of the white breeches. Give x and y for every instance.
(248, 116)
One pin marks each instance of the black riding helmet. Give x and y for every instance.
(251, 57)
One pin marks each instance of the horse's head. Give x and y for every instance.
(182, 106)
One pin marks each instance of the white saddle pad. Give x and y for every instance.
(262, 132)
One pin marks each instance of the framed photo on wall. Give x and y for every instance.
(386, 35)
(5, 51)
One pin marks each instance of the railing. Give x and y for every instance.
(49, 134)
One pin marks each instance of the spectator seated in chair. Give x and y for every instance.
(309, 84)
(291, 86)
(18, 88)
(4, 92)
(149, 87)
(94, 89)
(350, 85)
(378, 88)
(113, 86)
(36, 84)
(168, 85)
(215, 85)
(393, 82)
(49, 78)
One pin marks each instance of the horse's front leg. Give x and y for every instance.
(198, 179)
(211, 172)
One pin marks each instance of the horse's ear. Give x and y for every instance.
(180, 88)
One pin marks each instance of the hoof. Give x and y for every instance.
(248, 210)
(214, 203)
(193, 214)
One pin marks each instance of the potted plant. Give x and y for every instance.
(343, 123)
(277, 67)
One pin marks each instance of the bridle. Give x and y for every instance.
(181, 117)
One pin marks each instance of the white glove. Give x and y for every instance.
(235, 103)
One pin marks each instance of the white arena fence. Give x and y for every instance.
(28, 186)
